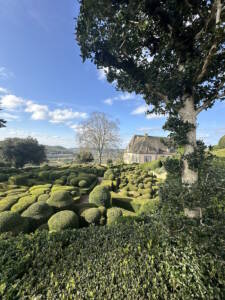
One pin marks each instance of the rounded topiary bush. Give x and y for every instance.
(113, 214)
(91, 215)
(39, 213)
(7, 202)
(12, 222)
(23, 203)
(109, 174)
(74, 181)
(43, 198)
(60, 199)
(141, 186)
(63, 220)
(83, 183)
(100, 196)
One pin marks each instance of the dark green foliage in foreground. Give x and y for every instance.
(19, 152)
(129, 261)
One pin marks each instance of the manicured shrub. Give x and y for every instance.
(83, 183)
(44, 175)
(40, 191)
(18, 179)
(141, 186)
(12, 222)
(23, 203)
(67, 188)
(7, 202)
(60, 199)
(102, 210)
(113, 214)
(92, 215)
(63, 220)
(109, 174)
(43, 197)
(38, 213)
(100, 196)
(79, 208)
(74, 181)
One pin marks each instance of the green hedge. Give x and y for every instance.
(136, 261)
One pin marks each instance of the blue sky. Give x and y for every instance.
(46, 90)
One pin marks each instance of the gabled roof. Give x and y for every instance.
(140, 144)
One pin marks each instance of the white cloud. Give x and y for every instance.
(154, 116)
(8, 117)
(76, 127)
(12, 102)
(38, 112)
(3, 90)
(109, 101)
(102, 73)
(140, 110)
(143, 110)
(62, 115)
(127, 96)
(4, 73)
(121, 97)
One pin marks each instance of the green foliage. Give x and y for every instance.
(113, 214)
(100, 196)
(152, 165)
(43, 197)
(221, 143)
(83, 183)
(12, 222)
(63, 220)
(23, 203)
(109, 174)
(38, 213)
(60, 199)
(142, 257)
(19, 179)
(7, 202)
(84, 157)
(19, 152)
(91, 215)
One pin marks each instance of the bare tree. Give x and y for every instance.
(98, 133)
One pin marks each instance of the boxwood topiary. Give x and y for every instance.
(63, 220)
(39, 213)
(23, 203)
(113, 214)
(83, 183)
(12, 222)
(100, 196)
(7, 202)
(60, 199)
(91, 215)
(43, 197)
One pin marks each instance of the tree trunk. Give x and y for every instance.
(188, 114)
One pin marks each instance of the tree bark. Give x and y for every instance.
(188, 114)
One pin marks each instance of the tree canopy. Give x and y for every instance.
(170, 52)
(19, 152)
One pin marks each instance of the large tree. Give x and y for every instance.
(171, 52)
(98, 133)
(19, 152)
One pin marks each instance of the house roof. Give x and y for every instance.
(144, 144)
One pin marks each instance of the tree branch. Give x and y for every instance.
(207, 103)
(159, 94)
(212, 50)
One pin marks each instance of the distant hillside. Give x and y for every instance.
(51, 149)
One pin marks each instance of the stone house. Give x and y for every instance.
(144, 148)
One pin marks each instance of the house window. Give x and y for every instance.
(147, 158)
